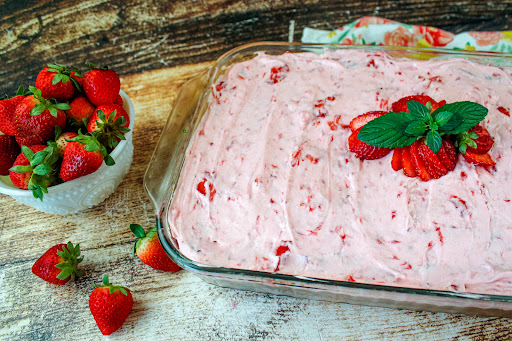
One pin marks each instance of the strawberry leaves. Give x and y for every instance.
(70, 259)
(92, 144)
(51, 104)
(402, 129)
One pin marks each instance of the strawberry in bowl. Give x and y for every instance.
(73, 167)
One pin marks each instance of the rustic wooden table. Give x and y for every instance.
(156, 46)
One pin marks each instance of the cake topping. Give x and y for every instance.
(423, 134)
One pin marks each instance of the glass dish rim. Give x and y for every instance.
(210, 270)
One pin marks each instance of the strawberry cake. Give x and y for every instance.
(270, 184)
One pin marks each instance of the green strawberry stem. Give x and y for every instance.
(111, 287)
(71, 258)
(139, 232)
(51, 104)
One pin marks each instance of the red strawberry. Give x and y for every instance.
(101, 86)
(7, 107)
(407, 163)
(58, 265)
(62, 143)
(479, 159)
(150, 251)
(9, 151)
(80, 109)
(483, 143)
(22, 179)
(78, 162)
(448, 155)
(118, 100)
(110, 305)
(361, 120)
(57, 81)
(36, 117)
(28, 140)
(111, 121)
(432, 163)
(365, 151)
(401, 104)
(397, 160)
(418, 164)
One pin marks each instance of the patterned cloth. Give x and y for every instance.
(380, 31)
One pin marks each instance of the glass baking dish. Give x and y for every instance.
(163, 173)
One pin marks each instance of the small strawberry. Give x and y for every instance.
(111, 122)
(58, 265)
(479, 159)
(9, 151)
(365, 151)
(83, 156)
(110, 305)
(401, 104)
(7, 107)
(37, 117)
(477, 140)
(81, 109)
(34, 169)
(62, 143)
(101, 86)
(57, 81)
(361, 120)
(150, 251)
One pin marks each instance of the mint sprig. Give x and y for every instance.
(394, 130)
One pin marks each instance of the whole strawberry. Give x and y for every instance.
(111, 122)
(101, 86)
(57, 81)
(34, 169)
(7, 107)
(83, 156)
(81, 109)
(9, 151)
(36, 117)
(150, 251)
(62, 141)
(58, 265)
(110, 305)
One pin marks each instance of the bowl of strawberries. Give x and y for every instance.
(66, 144)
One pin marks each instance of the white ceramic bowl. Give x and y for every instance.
(85, 192)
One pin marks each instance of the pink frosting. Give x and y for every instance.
(269, 184)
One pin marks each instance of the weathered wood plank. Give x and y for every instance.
(133, 36)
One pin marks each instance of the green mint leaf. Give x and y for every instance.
(434, 140)
(418, 110)
(442, 117)
(416, 128)
(466, 114)
(385, 131)
(462, 148)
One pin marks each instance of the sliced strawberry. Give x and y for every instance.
(396, 161)
(447, 155)
(434, 166)
(479, 159)
(365, 151)
(408, 166)
(361, 120)
(401, 104)
(419, 167)
(483, 143)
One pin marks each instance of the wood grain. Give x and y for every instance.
(174, 305)
(134, 35)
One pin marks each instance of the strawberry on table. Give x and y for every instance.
(57, 81)
(58, 265)
(101, 85)
(34, 169)
(35, 117)
(110, 305)
(111, 122)
(9, 151)
(150, 251)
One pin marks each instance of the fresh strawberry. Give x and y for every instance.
(401, 104)
(7, 107)
(34, 168)
(118, 100)
(365, 151)
(9, 151)
(479, 159)
(397, 160)
(418, 164)
(111, 122)
(78, 162)
(483, 143)
(407, 163)
(57, 81)
(80, 109)
(361, 120)
(150, 251)
(37, 117)
(101, 86)
(110, 305)
(58, 265)
(447, 155)
(28, 140)
(434, 166)
(62, 143)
